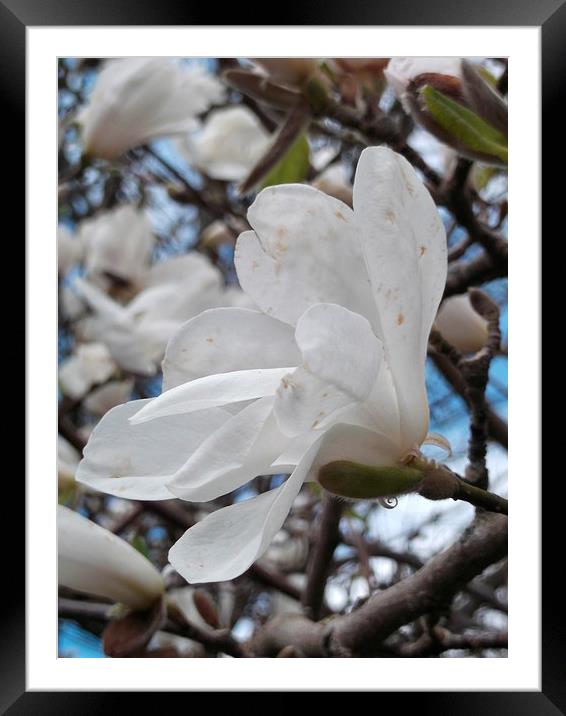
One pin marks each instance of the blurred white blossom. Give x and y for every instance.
(102, 399)
(229, 144)
(138, 99)
(67, 462)
(70, 250)
(174, 290)
(117, 243)
(89, 364)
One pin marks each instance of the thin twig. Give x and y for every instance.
(321, 555)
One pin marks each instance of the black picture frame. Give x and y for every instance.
(550, 16)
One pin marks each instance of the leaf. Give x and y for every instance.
(464, 125)
(365, 482)
(267, 170)
(293, 167)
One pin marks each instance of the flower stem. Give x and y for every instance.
(480, 498)
(440, 483)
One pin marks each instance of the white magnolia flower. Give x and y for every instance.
(330, 368)
(463, 327)
(108, 396)
(117, 243)
(174, 291)
(70, 250)
(138, 99)
(402, 70)
(95, 561)
(231, 142)
(91, 363)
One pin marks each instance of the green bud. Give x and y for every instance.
(365, 482)
(468, 130)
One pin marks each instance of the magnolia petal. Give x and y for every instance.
(228, 541)
(404, 244)
(339, 347)
(293, 453)
(212, 390)
(356, 444)
(242, 448)
(303, 401)
(93, 560)
(136, 461)
(221, 340)
(303, 250)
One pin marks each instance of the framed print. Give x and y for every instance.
(267, 296)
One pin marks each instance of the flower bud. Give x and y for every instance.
(461, 325)
(365, 482)
(95, 561)
(451, 99)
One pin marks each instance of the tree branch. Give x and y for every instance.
(321, 555)
(429, 590)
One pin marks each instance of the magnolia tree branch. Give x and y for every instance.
(475, 372)
(455, 194)
(463, 274)
(327, 539)
(428, 591)
(482, 592)
(497, 427)
(441, 640)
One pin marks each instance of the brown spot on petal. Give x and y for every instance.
(400, 319)
(340, 215)
(210, 340)
(390, 215)
(423, 250)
